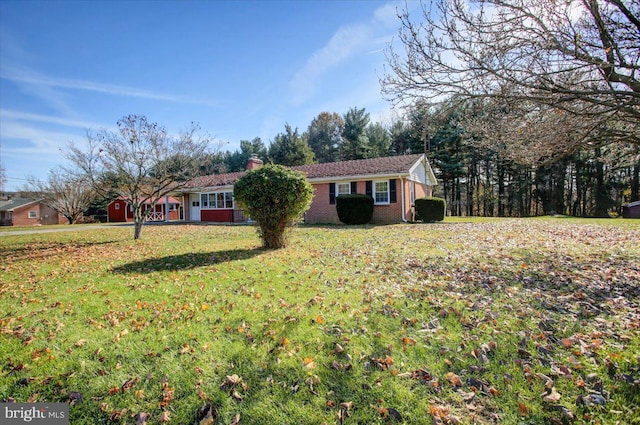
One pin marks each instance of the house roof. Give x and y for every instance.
(390, 165)
(361, 167)
(172, 200)
(13, 203)
(633, 204)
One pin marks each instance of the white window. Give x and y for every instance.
(117, 206)
(33, 214)
(343, 189)
(381, 192)
(218, 200)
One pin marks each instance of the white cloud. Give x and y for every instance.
(369, 37)
(116, 90)
(9, 114)
(387, 15)
(340, 47)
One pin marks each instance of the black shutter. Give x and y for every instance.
(369, 188)
(393, 198)
(332, 193)
(354, 187)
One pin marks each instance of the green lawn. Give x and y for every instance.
(515, 321)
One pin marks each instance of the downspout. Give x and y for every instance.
(404, 210)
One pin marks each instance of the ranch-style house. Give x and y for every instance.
(393, 182)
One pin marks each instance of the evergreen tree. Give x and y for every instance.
(237, 161)
(324, 136)
(290, 148)
(379, 140)
(355, 144)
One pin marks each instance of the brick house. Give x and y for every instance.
(27, 212)
(119, 210)
(394, 183)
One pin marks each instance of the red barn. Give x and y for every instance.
(119, 210)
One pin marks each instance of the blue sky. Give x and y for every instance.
(242, 69)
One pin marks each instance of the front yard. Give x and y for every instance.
(515, 321)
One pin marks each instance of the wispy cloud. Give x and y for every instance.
(111, 89)
(367, 37)
(341, 46)
(14, 116)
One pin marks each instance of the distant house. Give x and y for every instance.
(119, 210)
(393, 182)
(27, 212)
(631, 210)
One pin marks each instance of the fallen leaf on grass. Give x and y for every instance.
(141, 418)
(453, 379)
(206, 415)
(129, 383)
(551, 396)
(524, 410)
(165, 417)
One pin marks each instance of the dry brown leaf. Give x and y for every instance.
(552, 397)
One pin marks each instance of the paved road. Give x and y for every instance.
(73, 228)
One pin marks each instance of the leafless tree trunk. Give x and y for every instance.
(139, 163)
(63, 192)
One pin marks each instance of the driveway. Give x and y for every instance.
(71, 228)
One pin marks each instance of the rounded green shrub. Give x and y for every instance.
(430, 209)
(354, 209)
(275, 197)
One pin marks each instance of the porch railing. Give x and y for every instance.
(155, 216)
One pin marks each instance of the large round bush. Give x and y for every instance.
(354, 209)
(275, 197)
(430, 209)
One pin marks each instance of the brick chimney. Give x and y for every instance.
(254, 163)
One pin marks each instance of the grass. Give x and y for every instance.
(517, 321)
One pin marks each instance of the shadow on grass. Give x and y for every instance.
(39, 251)
(187, 261)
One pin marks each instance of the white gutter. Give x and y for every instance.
(404, 216)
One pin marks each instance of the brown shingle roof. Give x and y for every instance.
(216, 180)
(359, 167)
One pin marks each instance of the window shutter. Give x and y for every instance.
(332, 193)
(354, 187)
(369, 188)
(393, 198)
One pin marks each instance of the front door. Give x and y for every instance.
(194, 207)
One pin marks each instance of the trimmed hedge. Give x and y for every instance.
(354, 209)
(430, 209)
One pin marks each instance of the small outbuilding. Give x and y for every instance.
(631, 210)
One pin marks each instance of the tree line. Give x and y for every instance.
(478, 175)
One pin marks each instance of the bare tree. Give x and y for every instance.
(3, 177)
(536, 60)
(140, 162)
(63, 192)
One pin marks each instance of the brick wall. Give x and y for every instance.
(321, 211)
(44, 216)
